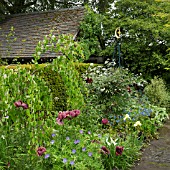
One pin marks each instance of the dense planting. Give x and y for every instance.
(105, 120)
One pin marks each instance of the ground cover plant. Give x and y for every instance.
(107, 122)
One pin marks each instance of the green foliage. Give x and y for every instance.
(56, 86)
(72, 52)
(109, 89)
(144, 34)
(157, 92)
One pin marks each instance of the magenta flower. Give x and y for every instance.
(59, 121)
(72, 114)
(24, 106)
(66, 114)
(105, 121)
(19, 103)
(41, 150)
(119, 150)
(77, 112)
(105, 150)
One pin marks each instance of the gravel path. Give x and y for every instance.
(157, 155)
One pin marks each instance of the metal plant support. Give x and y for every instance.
(117, 48)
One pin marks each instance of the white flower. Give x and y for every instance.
(137, 124)
(2, 136)
(102, 90)
(53, 36)
(5, 76)
(56, 98)
(91, 64)
(126, 117)
(111, 141)
(38, 53)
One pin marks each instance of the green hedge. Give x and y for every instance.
(54, 82)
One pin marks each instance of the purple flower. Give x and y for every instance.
(105, 150)
(52, 142)
(89, 80)
(71, 162)
(81, 131)
(119, 150)
(64, 160)
(90, 153)
(53, 135)
(84, 149)
(89, 132)
(74, 151)
(47, 156)
(67, 138)
(76, 141)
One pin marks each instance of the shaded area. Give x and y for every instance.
(157, 155)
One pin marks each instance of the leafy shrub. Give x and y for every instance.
(157, 92)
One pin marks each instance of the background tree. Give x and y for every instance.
(145, 28)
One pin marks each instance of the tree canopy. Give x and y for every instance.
(144, 24)
(145, 33)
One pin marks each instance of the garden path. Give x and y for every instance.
(157, 155)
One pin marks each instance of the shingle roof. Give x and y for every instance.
(32, 27)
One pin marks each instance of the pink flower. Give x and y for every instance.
(59, 121)
(66, 114)
(24, 106)
(77, 112)
(105, 121)
(72, 113)
(119, 150)
(41, 150)
(19, 103)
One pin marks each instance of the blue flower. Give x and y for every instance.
(71, 162)
(53, 135)
(47, 156)
(74, 151)
(84, 149)
(52, 142)
(81, 131)
(76, 141)
(117, 120)
(67, 138)
(64, 160)
(90, 153)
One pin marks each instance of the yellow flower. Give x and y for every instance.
(126, 117)
(137, 124)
